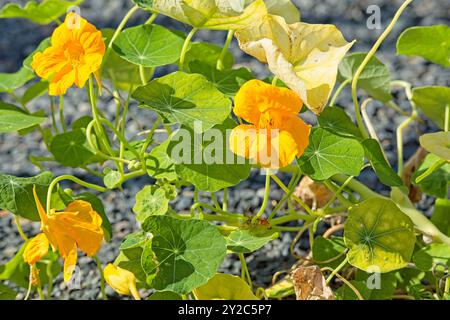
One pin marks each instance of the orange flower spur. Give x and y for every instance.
(76, 51)
(275, 134)
(79, 226)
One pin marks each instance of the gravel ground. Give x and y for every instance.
(19, 38)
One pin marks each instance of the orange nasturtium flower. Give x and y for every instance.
(76, 51)
(79, 226)
(121, 280)
(275, 135)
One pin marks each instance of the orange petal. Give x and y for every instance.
(70, 261)
(81, 224)
(62, 81)
(41, 211)
(36, 249)
(300, 131)
(256, 97)
(48, 63)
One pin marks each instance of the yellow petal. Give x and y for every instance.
(256, 97)
(241, 139)
(36, 249)
(121, 280)
(211, 14)
(70, 257)
(79, 223)
(40, 208)
(300, 131)
(304, 56)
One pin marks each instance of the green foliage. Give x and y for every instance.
(184, 99)
(436, 184)
(379, 235)
(17, 194)
(375, 79)
(430, 43)
(13, 118)
(151, 201)
(181, 249)
(247, 241)
(45, 12)
(329, 154)
(71, 149)
(432, 102)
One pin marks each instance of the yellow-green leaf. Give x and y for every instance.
(437, 143)
(225, 287)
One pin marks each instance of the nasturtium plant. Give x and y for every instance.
(191, 124)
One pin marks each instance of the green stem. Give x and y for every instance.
(50, 279)
(356, 186)
(220, 61)
(151, 19)
(297, 199)
(244, 270)
(19, 228)
(186, 47)
(335, 271)
(265, 200)
(225, 200)
(400, 130)
(339, 91)
(40, 293)
(435, 166)
(337, 193)
(73, 179)
(142, 75)
(52, 110)
(216, 202)
(119, 29)
(365, 63)
(275, 81)
(61, 113)
(102, 278)
(293, 183)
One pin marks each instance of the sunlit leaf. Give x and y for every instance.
(14, 119)
(427, 257)
(149, 45)
(379, 236)
(329, 154)
(436, 184)
(185, 99)
(338, 121)
(71, 149)
(225, 287)
(44, 12)
(437, 143)
(151, 200)
(430, 43)
(432, 101)
(247, 241)
(441, 215)
(206, 162)
(188, 252)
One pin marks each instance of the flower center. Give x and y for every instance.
(74, 51)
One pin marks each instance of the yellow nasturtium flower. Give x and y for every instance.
(76, 51)
(79, 226)
(212, 14)
(304, 56)
(121, 280)
(36, 249)
(275, 135)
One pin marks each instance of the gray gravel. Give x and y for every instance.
(20, 38)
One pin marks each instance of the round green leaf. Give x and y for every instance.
(151, 200)
(12, 81)
(6, 293)
(45, 12)
(328, 252)
(112, 179)
(207, 53)
(185, 99)
(149, 45)
(247, 241)
(379, 235)
(329, 154)
(195, 156)
(130, 259)
(432, 101)
(13, 118)
(16, 194)
(430, 43)
(225, 287)
(437, 143)
(71, 149)
(188, 252)
(165, 295)
(441, 215)
(375, 79)
(159, 165)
